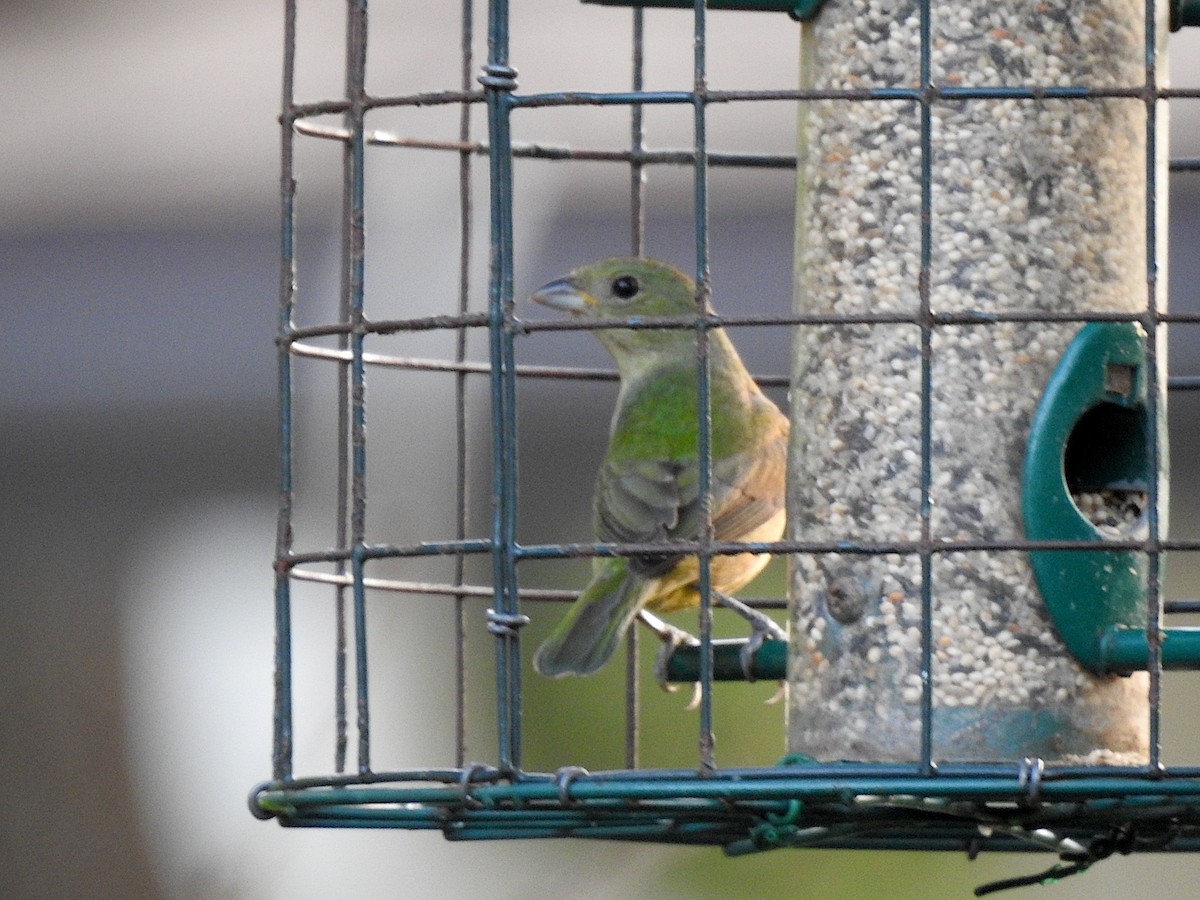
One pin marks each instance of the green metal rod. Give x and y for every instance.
(1126, 650)
(769, 662)
(777, 790)
(1120, 650)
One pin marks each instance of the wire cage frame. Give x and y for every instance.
(1081, 813)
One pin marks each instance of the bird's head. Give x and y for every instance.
(626, 288)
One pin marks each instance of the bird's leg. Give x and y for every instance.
(762, 627)
(671, 638)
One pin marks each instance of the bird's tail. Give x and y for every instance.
(587, 637)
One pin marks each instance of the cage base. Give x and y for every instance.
(966, 808)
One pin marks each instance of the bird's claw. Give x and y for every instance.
(751, 647)
(662, 661)
(746, 658)
(762, 627)
(671, 638)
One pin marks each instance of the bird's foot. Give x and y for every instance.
(671, 638)
(746, 658)
(762, 627)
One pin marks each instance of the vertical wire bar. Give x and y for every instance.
(340, 662)
(1154, 555)
(353, 188)
(342, 536)
(927, 96)
(466, 221)
(499, 82)
(637, 138)
(704, 412)
(344, 439)
(281, 763)
(511, 606)
(637, 240)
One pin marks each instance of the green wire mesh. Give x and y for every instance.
(1079, 813)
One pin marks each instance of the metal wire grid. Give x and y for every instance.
(921, 805)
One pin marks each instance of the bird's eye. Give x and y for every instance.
(625, 286)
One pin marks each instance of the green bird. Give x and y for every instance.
(647, 489)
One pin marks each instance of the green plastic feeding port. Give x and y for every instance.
(801, 10)
(1184, 13)
(1087, 477)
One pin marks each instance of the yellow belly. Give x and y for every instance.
(678, 588)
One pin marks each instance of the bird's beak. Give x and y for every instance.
(563, 295)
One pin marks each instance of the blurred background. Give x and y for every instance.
(138, 286)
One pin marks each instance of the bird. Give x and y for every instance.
(647, 489)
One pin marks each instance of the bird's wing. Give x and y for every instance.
(644, 501)
(748, 487)
(640, 501)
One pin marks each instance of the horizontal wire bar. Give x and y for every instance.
(713, 320)
(297, 111)
(936, 319)
(563, 152)
(848, 547)
(947, 773)
(558, 595)
(933, 94)
(334, 107)
(783, 783)
(425, 364)
(728, 548)
(940, 92)
(386, 551)
(427, 98)
(391, 326)
(429, 587)
(449, 589)
(602, 98)
(555, 151)
(467, 366)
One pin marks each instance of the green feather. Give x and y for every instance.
(587, 636)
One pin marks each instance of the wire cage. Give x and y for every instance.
(1080, 812)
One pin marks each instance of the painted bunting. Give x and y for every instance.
(647, 489)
